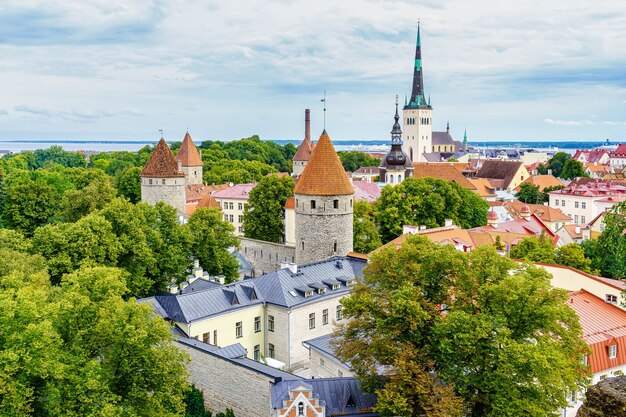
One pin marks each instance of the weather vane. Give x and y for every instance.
(324, 101)
(161, 132)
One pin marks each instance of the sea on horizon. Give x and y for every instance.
(14, 146)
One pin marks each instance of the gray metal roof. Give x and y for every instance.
(322, 344)
(335, 393)
(200, 284)
(244, 362)
(155, 306)
(276, 288)
(442, 138)
(232, 351)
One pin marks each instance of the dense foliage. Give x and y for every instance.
(365, 232)
(429, 202)
(353, 160)
(194, 405)
(264, 215)
(540, 249)
(555, 164)
(505, 344)
(529, 193)
(79, 349)
(573, 169)
(608, 252)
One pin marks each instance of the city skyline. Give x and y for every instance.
(122, 71)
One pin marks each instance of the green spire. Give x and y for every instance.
(419, 43)
(465, 139)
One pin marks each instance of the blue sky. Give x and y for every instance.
(117, 69)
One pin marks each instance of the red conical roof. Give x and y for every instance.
(188, 153)
(304, 151)
(492, 215)
(324, 174)
(210, 202)
(162, 163)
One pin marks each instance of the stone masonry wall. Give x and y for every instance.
(319, 228)
(228, 385)
(266, 256)
(171, 192)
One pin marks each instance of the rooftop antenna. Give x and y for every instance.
(324, 101)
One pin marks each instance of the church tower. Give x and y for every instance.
(396, 166)
(163, 180)
(418, 114)
(190, 160)
(324, 199)
(303, 154)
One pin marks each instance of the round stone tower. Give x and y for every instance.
(324, 203)
(190, 160)
(303, 154)
(162, 179)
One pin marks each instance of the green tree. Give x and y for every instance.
(608, 252)
(194, 403)
(264, 215)
(546, 191)
(79, 203)
(353, 160)
(81, 350)
(557, 162)
(429, 202)
(212, 237)
(129, 184)
(28, 204)
(365, 233)
(529, 193)
(573, 255)
(534, 249)
(573, 169)
(499, 320)
(56, 155)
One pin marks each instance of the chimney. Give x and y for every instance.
(549, 172)
(577, 230)
(423, 227)
(448, 222)
(184, 285)
(173, 289)
(292, 267)
(307, 124)
(196, 263)
(192, 278)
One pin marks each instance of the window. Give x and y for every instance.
(556, 202)
(150, 182)
(573, 397)
(335, 247)
(240, 218)
(583, 205)
(321, 290)
(270, 350)
(325, 316)
(610, 298)
(240, 206)
(225, 217)
(257, 324)
(336, 204)
(312, 321)
(582, 219)
(312, 204)
(563, 203)
(300, 409)
(270, 323)
(321, 362)
(215, 337)
(206, 337)
(612, 351)
(238, 329)
(576, 204)
(302, 245)
(336, 286)
(232, 218)
(339, 312)
(576, 218)
(163, 181)
(257, 353)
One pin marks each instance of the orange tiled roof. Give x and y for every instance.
(324, 174)
(210, 202)
(443, 171)
(545, 213)
(571, 230)
(162, 163)
(196, 192)
(304, 151)
(595, 167)
(542, 181)
(483, 186)
(188, 153)
(290, 203)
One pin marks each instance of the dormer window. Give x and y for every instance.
(611, 298)
(321, 290)
(336, 286)
(308, 293)
(612, 351)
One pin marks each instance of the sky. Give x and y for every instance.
(122, 70)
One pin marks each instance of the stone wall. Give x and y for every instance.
(168, 190)
(228, 385)
(193, 175)
(323, 231)
(266, 256)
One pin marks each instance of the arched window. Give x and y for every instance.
(336, 204)
(335, 247)
(300, 409)
(312, 204)
(391, 178)
(399, 178)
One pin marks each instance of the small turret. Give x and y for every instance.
(492, 217)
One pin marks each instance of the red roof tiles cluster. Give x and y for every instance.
(305, 150)
(188, 153)
(594, 155)
(324, 174)
(162, 163)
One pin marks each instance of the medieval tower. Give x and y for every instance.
(190, 160)
(396, 166)
(323, 212)
(418, 114)
(162, 179)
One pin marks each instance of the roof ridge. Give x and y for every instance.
(162, 163)
(188, 153)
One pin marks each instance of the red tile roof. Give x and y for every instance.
(503, 172)
(162, 163)
(603, 324)
(188, 153)
(443, 171)
(304, 151)
(290, 203)
(210, 202)
(367, 191)
(236, 192)
(324, 174)
(542, 181)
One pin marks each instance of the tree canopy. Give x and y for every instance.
(573, 169)
(608, 252)
(555, 164)
(365, 232)
(353, 160)
(429, 202)
(439, 332)
(540, 249)
(264, 215)
(529, 193)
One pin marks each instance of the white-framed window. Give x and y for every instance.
(238, 329)
(563, 203)
(257, 324)
(582, 219)
(576, 204)
(583, 205)
(612, 351)
(339, 312)
(240, 206)
(325, 316)
(312, 321)
(575, 218)
(556, 202)
(611, 298)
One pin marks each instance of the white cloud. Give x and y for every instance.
(569, 122)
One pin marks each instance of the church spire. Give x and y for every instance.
(417, 94)
(396, 131)
(465, 139)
